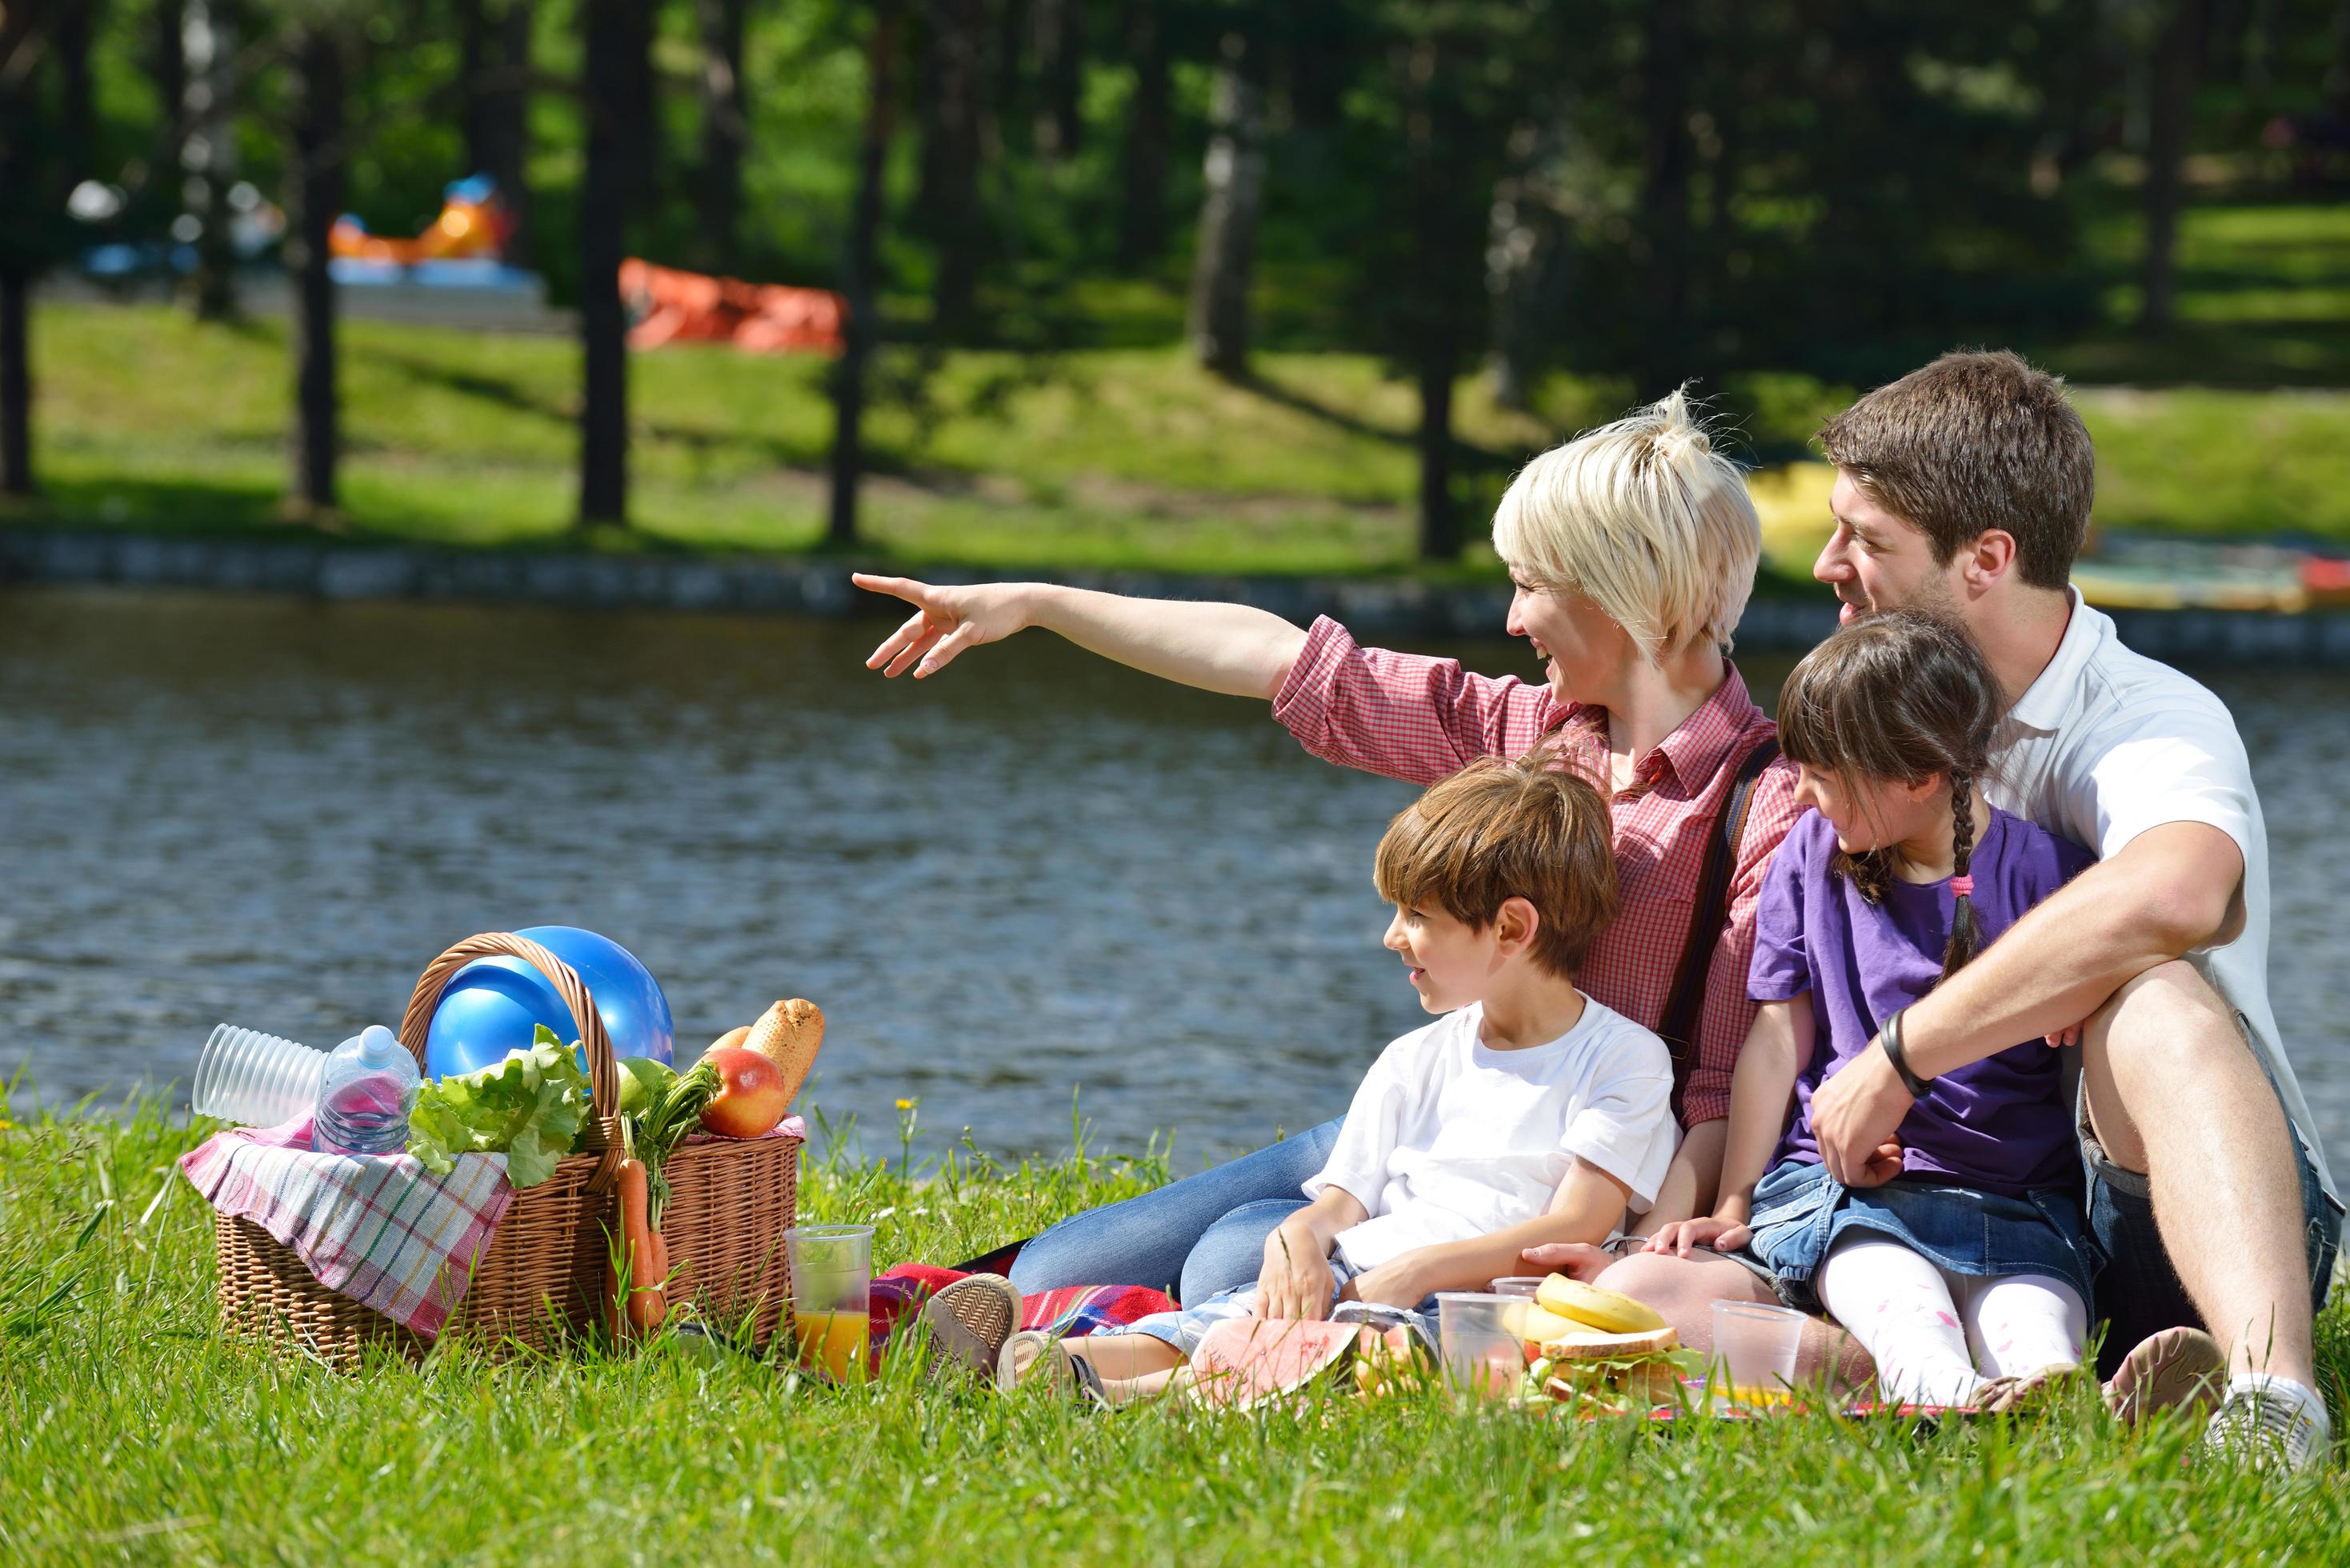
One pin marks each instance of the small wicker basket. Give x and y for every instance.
(542, 1278)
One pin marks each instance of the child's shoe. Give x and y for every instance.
(969, 1321)
(1031, 1356)
(2177, 1369)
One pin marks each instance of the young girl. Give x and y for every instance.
(1957, 1258)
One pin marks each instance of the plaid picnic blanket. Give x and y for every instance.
(383, 1229)
(898, 1294)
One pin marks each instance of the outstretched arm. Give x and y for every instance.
(1227, 647)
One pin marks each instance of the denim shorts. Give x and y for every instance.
(2135, 1283)
(1801, 1210)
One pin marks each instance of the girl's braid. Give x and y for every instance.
(1965, 934)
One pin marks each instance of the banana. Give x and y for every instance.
(1602, 1310)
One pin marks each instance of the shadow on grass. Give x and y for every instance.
(1468, 457)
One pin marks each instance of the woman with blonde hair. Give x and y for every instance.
(1631, 552)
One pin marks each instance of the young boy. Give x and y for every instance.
(1526, 1114)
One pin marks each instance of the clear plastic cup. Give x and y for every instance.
(1519, 1284)
(832, 1286)
(1481, 1350)
(255, 1079)
(1755, 1351)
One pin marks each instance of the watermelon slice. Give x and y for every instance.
(1245, 1362)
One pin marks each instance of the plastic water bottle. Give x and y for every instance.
(255, 1079)
(365, 1094)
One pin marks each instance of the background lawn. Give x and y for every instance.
(1111, 456)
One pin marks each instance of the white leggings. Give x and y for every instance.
(1929, 1331)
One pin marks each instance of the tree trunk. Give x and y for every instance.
(1447, 255)
(1234, 170)
(859, 282)
(604, 190)
(949, 200)
(1665, 193)
(317, 197)
(167, 65)
(1142, 196)
(209, 151)
(494, 50)
(16, 384)
(1060, 71)
(725, 130)
(1010, 58)
(2177, 53)
(2338, 75)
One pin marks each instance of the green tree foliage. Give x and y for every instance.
(1650, 191)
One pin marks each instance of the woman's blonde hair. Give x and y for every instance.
(1645, 519)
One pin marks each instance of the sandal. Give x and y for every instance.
(2026, 1395)
(2179, 1368)
(969, 1321)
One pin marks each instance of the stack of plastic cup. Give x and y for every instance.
(832, 1284)
(1482, 1351)
(255, 1079)
(1755, 1351)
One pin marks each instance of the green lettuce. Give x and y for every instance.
(528, 1108)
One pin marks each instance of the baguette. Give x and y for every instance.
(789, 1034)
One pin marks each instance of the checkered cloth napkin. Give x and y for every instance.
(382, 1230)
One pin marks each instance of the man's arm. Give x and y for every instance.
(2169, 891)
(1586, 1207)
(1232, 648)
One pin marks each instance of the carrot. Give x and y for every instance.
(638, 1240)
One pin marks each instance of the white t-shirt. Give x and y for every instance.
(2107, 743)
(1450, 1140)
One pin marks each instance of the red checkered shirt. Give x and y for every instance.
(1418, 719)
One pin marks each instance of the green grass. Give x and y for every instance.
(128, 1431)
(1125, 457)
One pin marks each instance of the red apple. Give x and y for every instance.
(751, 1094)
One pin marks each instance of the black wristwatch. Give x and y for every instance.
(1899, 1055)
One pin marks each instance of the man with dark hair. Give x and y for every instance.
(1966, 487)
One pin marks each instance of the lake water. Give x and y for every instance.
(1037, 877)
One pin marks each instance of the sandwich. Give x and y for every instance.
(1601, 1350)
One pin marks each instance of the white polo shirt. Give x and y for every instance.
(2107, 743)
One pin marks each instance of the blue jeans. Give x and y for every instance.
(1199, 1235)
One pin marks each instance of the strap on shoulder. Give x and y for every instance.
(1707, 909)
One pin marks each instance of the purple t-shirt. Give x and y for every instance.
(2000, 1125)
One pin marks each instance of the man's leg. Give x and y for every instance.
(1144, 1241)
(2176, 1093)
(1683, 1291)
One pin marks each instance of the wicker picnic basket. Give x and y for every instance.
(542, 1278)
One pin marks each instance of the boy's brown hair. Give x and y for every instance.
(1496, 831)
(1973, 441)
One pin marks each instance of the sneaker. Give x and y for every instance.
(2179, 1369)
(2270, 1421)
(1031, 1357)
(969, 1321)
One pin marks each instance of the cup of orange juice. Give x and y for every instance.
(832, 1282)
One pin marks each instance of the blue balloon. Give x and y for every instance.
(494, 1005)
